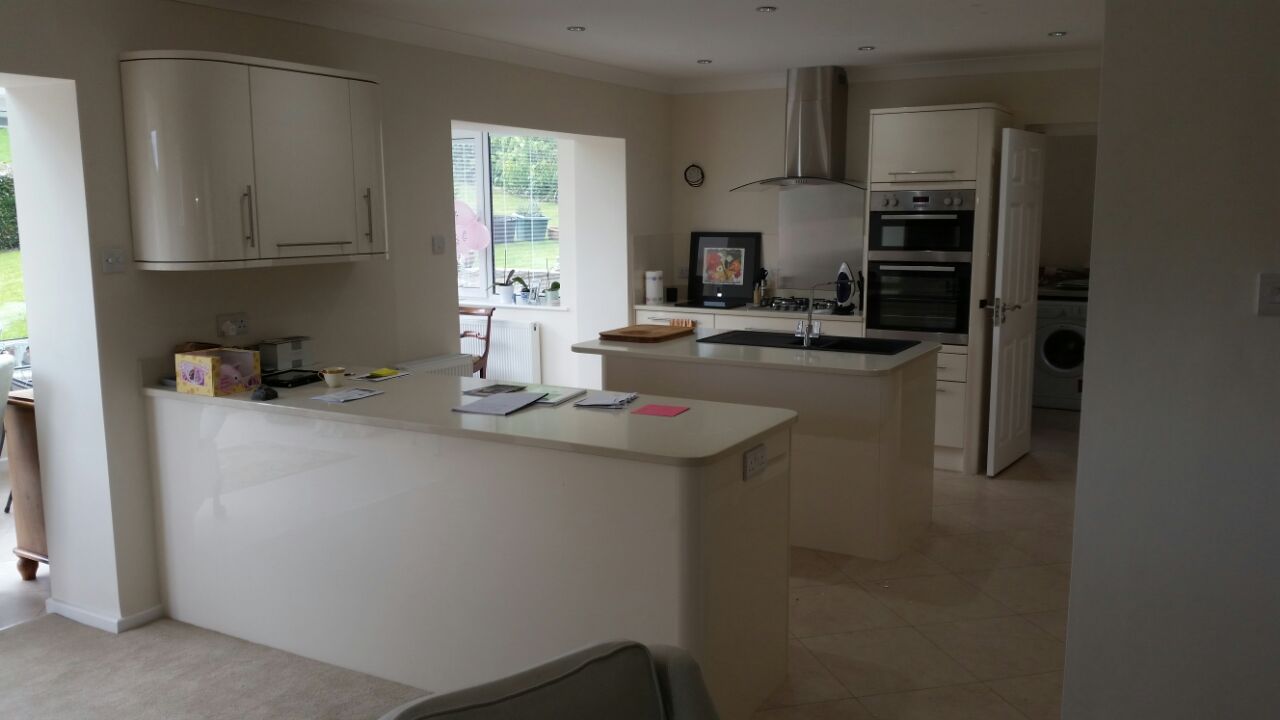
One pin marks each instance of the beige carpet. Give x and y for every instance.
(52, 668)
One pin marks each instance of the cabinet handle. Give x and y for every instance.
(368, 203)
(312, 244)
(922, 172)
(246, 200)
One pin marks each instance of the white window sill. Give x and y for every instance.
(477, 302)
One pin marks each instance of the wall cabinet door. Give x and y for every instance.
(949, 415)
(366, 147)
(189, 144)
(303, 162)
(937, 146)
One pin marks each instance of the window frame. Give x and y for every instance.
(483, 202)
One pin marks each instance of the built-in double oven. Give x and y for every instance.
(919, 265)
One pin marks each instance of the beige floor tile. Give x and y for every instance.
(998, 647)
(935, 599)
(1053, 622)
(1035, 513)
(871, 662)
(831, 609)
(1039, 697)
(963, 702)
(1042, 546)
(839, 710)
(1026, 589)
(810, 568)
(808, 681)
(948, 520)
(908, 564)
(976, 551)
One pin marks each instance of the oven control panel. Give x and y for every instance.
(923, 200)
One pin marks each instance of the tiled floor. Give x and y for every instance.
(969, 624)
(19, 601)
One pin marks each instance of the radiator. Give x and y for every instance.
(458, 365)
(515, 348)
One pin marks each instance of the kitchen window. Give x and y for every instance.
(506, 192)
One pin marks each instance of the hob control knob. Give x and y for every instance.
(958, 201)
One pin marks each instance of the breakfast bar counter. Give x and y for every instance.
(394, 536)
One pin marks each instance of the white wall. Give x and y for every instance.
(1176, 583)
(737, 137)
(58, 271)
(1067, 232)
(141, 315)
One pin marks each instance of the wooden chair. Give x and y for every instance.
(480, 363)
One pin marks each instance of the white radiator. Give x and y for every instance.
(515, 348)
(458, 365)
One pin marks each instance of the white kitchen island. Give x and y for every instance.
(862, 449)
(440, 549)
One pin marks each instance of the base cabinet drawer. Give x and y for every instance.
(948, 428)
(953, 368)
(658, 317)
(842, 328)
(766, 324)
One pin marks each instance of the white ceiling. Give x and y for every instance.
(657, 43)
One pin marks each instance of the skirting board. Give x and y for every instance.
(103, 622)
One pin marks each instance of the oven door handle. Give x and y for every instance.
(920, 216)
(921, 268)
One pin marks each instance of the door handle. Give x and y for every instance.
(919, 216)
(921, 268)
(246, 200)
(368, 203)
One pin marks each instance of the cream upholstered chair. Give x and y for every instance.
(7, 362)
(615, 681)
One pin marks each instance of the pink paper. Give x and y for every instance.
(660, 410)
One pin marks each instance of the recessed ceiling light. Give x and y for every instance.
(864, 48)
(1058, 33)
(577, 28)
(767, 8)
(704, 61)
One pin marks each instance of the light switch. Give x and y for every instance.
(113, 260)
(1269, 293)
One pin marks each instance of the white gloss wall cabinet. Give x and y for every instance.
(924, 145)
(239, 162)
(190, 160)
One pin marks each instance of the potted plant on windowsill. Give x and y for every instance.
(506, 288)
(553, 294)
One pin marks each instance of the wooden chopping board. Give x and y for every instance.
(646, 333)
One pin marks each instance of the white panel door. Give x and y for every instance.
(937, 146)
(1013, 334)
(190, 153)
(366, 144)
(303, 160)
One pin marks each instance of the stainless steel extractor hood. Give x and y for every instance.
(817, 103)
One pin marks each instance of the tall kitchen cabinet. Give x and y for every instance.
(951, 147)
(238, 162)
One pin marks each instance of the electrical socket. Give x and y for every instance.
(754, 462)
(233, 324)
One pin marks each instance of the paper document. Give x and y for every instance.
(487, 390)
(382, 374)
(347, 395)
(603, 399)
(556, 395)
(501, 404)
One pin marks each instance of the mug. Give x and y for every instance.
(333, 376)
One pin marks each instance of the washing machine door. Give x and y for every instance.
(1060, 349)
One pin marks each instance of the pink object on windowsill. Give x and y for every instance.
(659, 410)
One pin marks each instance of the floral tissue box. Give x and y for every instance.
(221, 371)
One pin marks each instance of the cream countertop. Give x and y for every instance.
(423, 403)
(749, 311)
(687, 349)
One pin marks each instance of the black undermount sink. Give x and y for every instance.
(866, 346)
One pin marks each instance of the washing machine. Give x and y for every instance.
(1060, 325)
